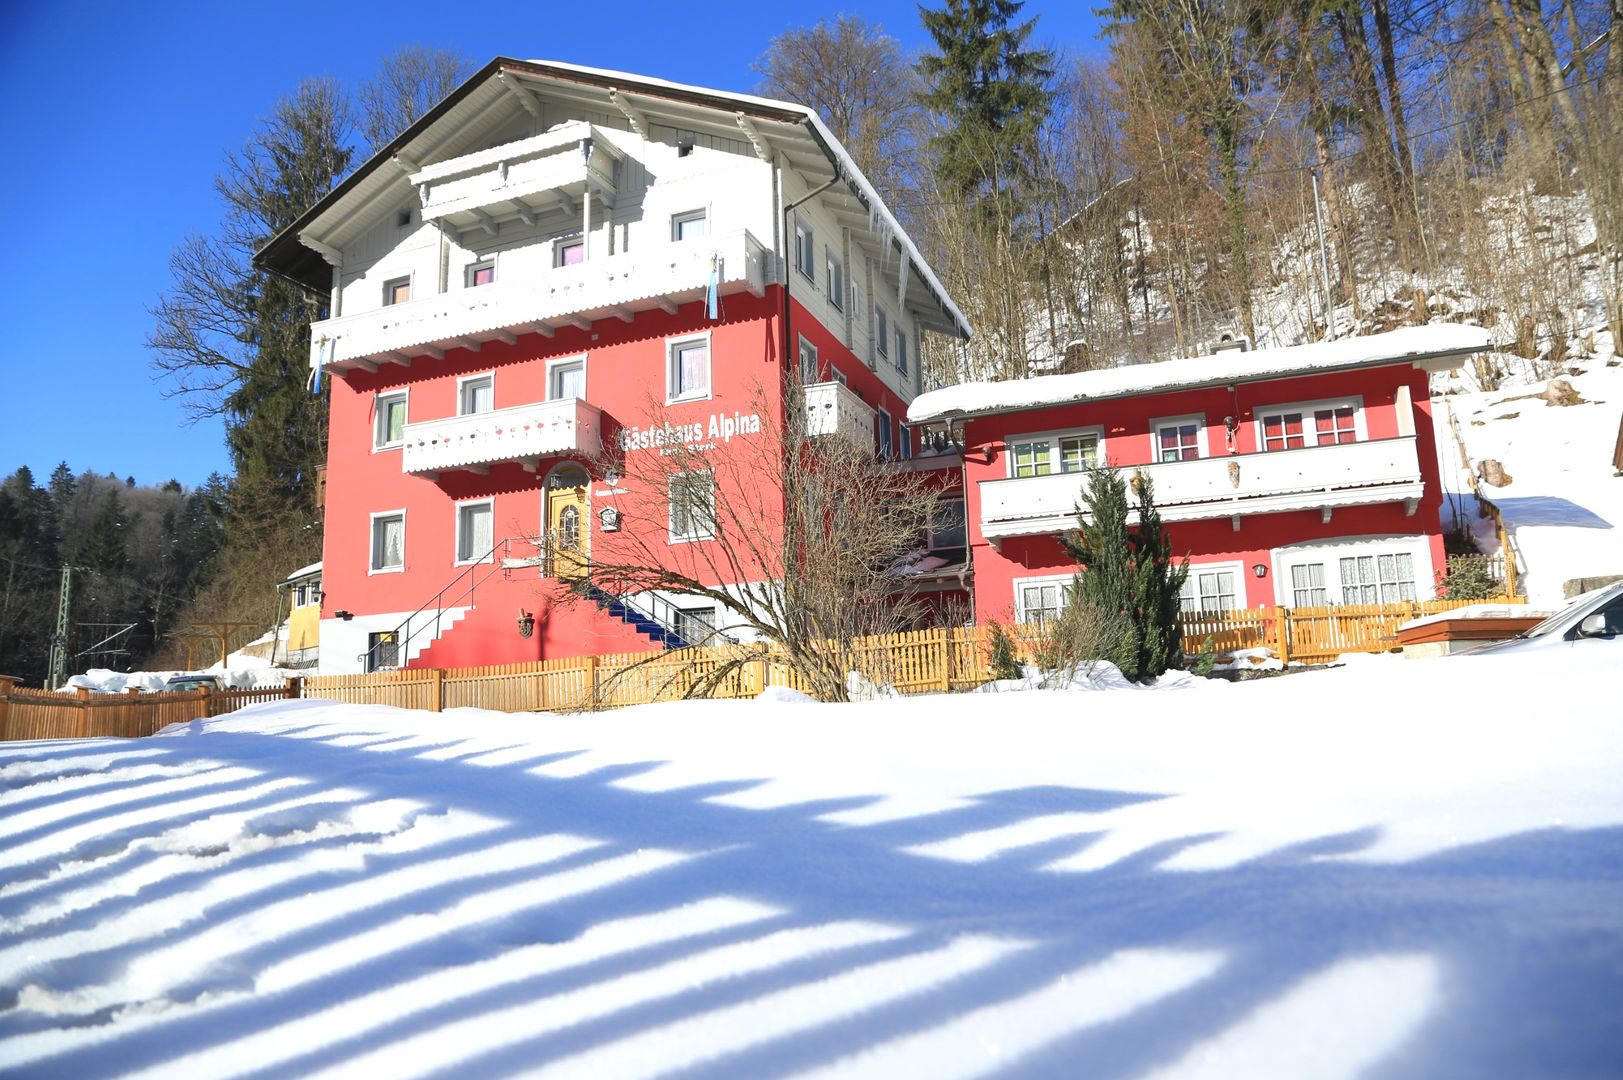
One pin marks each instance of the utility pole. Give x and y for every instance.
(59, 641)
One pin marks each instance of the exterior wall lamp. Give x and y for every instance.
(345, 615)
(1260, 569)
(526, 623)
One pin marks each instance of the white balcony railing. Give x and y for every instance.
(614, 285)
(526, 433)
(1312, 478)
(834, 409)
(522, 177)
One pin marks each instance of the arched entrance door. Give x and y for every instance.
(568, 537)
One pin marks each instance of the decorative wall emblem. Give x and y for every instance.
(608, 519)
(1234, 474)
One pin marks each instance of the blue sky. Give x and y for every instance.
(117, 119)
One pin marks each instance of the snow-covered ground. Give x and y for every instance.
(1395, 868)
(1564, 504)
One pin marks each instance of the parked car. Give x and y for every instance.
(1592, 620)
(181, 683)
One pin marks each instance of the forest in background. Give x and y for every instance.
(1082, 212)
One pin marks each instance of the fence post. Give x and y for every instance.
(6, 684)
(203, 710)
(591, 682)
(943, 639)
(437, 689)
(295, 686)
(1282, 632)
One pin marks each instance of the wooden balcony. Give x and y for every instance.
(1312, 478)
(568, 427)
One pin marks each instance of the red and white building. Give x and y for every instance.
(552, 258)
(1293, 476)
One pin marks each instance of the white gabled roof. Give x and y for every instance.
(1411, 344)
(303, 572)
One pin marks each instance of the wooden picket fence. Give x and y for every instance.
(44, 714)
(923, 661)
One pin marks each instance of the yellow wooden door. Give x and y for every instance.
(568, 535)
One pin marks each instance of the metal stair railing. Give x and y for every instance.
(461, 587)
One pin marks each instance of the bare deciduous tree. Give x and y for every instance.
(409, 82)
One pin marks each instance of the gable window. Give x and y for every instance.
(566, 379)
(569, 251)
(388, 541)
(834, 286)
(688, 226)
(1320, 424)
(1177, 439)
(390, 427)
(1042, 455)
(805, 249)
(1210, 588)
(476, 394)
(904, 440)
(482, 272)
(884, 434)
(693, 506)
(809, 368)
(856, 301)
(881, 332)
(901, 351)
(396, 291)
(687, 376)
(474, 538)
(1040, 600)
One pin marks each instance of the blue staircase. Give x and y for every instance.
(644, 622)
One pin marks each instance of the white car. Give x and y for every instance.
(1594, 619)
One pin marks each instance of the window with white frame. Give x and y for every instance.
(881, 332)
(901, 351)
(1307, 585)
(396, 291)
(569, 250)
(884, 444)
(693, 505)
(834, 281)
(388, 541)
(904, 441)
(474, 537)
(566, 379)
(1040, 600)
(390, 428)
(479, 273)
(689, 225)
(1212, 588)
(856, 301)
(1319, 424)
(839, 376)
(809, 369)
(1385, 578)
(1177, 438)
(476, 394)
(805, 249)
(1055, 452)
(687, 374)
(1386, 571)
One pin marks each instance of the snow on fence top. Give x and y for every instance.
(1412, 343)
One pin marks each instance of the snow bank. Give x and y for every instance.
(244, 672)
(1393, 869)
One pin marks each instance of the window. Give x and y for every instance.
(1041, 600)
(809, 370)
(834, 285)
(396, 291)
(693, 506)
(881, 332)
(1307, 585)
(382, 650)
(1211, 588)
(1377, 579)
(568, 251)
(884, 434)
(901, 351)
(390, 418)
(479, 273)
(805, 249)
(1041, 455)
(688, 370)
(388, 541)
(947, 529)
(476, 394)
(1319, 424)
(1177, 439)
(904, 440)
(688, 226)
(695, 624)
(566, 378)
(839, 377)
(402, 218)
(856, 300)
(474, 538)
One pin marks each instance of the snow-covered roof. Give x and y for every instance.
(304, 572)
(1410, 344)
